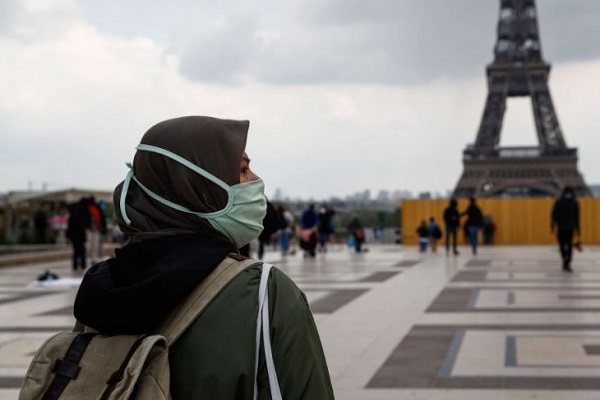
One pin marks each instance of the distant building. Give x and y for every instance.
(383, 196)
(20, 209)
(401, 194)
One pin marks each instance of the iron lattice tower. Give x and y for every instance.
(518, 69)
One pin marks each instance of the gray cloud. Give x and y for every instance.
(569, 29)
(223, 51)
(387, 42)
(397, 42)
(138, 18)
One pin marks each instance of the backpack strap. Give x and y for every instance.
(263, 329)
(188, 310)
(67, 369)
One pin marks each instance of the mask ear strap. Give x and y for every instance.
(185, 163)
(124, 191)
(168, 203)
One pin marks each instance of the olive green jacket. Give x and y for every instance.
(215, 357)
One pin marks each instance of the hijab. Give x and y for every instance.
(215, 145)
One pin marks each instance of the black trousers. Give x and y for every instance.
(451, 233)
(565, 244)
(78, 253)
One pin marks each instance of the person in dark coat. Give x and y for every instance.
(358, 232)
(40, 223)
(309, 223)
(474, 223)
(271, 225)
(452, 222)
(565, 219)
(435, 234)
(325, 226)
(423, 232)
(96, 231)
(79, 222)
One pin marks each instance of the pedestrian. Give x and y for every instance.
(473, 223)
(356, 230)
(309, 228)
(435, 234)
(423, 232)
(270, 227)
(40, 224)
(565, 220)
(78, 224)
(287, 224)
(325, 226)
(190, 200)
(452, 222)
(96, 229)
(60, 222)
(489, 228)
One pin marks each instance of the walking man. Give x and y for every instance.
(435, 234)
(452, 221)
(473, 223)
(79, 222)
(565, 217)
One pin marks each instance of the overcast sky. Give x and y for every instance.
(342, 95)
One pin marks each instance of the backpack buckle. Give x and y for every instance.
(66, 368)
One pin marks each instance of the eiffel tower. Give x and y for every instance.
(518, 69)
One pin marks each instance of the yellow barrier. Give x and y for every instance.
(518, 221)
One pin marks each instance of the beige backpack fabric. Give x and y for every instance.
(76, 365)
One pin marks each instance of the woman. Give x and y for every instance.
(189, 200)
(473, 223)
(356, 230)
(423, 232)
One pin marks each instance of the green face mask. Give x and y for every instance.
(241, 220)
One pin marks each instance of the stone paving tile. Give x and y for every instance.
(387, 332)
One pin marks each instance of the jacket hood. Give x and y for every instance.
(134, 291)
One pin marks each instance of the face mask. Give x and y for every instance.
(241, 218)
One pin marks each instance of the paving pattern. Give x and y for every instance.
(397, 324)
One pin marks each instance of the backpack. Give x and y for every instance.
(359, 234)
(437, 232)
(76, 365)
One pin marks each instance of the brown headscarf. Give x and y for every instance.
(215, 145)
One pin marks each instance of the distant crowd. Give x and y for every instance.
(310, 233)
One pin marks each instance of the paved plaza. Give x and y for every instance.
(397, 324)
